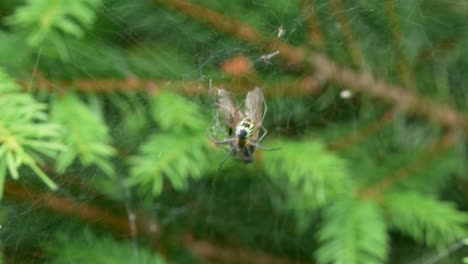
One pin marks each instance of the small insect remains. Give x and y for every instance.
(244, 127)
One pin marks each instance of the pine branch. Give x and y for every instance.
(362, 133)
(307, 86)
(353, 232)
(357, 57)
(432, 153)
(404, 68)
(46, 21)
(86, 135)
(315, 33)
(444, 45)
(292, 56)
(87, 247)
(326, 68)
(426, 219)
(67, 206)
(178, 152)
(221, 254)
(26, 134)
(146, 227)
(396, 95)
(308, 185)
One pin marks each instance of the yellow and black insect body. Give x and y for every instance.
(245, 125)
(244, 131)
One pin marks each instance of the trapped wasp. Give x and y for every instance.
(244, 126)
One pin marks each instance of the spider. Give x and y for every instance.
(246, 126)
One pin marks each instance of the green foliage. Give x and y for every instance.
(465, 243)
(48, 20)
(86, 135)
(310, 174)
(177, 152)
(26, 135)
(88, 246)
(177, 114)
(146, 63)
(134, 119)
(353, 231)
(426, 219)
(424, 43)
(43, 17)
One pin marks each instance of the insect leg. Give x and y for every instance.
(265, 108)
(265, 131)
(223, 142)
(248, 153)
(226, 157)
(255, 144)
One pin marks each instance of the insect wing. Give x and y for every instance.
(254, 108)
(227, 107)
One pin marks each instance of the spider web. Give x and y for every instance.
(207, 208)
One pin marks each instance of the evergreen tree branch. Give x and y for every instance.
(308, 185)
(26, 134)
(307, 86)
(291, 55)
(315, 34)
(326, 68)
(404, 172)
(46, 22)
(362, 133)
(404, 69)
(176, 153)
(146, 226)
(67, 206)
(339, 12)
(87, 246)
(221, 254)
(86, 135)
(445, 45)
(426, 219)
(353, 232)
(400, 97)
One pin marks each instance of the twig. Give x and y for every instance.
(314, 31)
(444, 45)
(404, 68)
(220, 254)
(326, 68)
(306, 86)
(406, 171)
(146, 226)
(292, 55)
(67, 206)
(396, 95)
(346, 29)
(362, 134)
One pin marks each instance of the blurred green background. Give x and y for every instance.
(106, 118)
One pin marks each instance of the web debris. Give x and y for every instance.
(267, 57)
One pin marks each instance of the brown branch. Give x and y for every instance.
(316, 37)
(403, 173)
(326, 68)
(67, 206)
(292, 55)
(306, 86)
(146, 226)
(221, 254)
(346, 29)
(396, 95)
(404, 68)
(132, 84)
(444, 45)
(362, 134)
